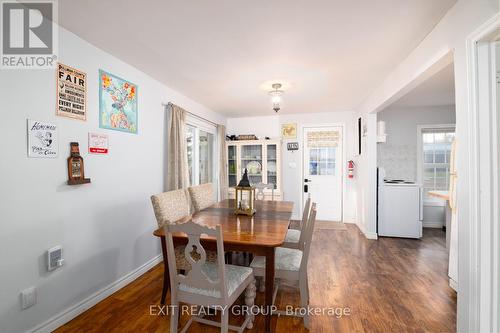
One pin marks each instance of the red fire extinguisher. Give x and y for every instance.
(350, 169)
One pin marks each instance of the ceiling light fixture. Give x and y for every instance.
(276, 94)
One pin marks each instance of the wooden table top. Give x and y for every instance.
(440, 194)
(267, 227)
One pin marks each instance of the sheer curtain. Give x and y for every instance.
(223, 184)
(177, 161)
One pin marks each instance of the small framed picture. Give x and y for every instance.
(42, 139)
(289, 131)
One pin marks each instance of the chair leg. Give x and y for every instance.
(174, 318)
(229, 258)
(224, 328)
(250, 293)
(304, 299)
(262, 284)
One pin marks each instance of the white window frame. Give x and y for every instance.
(199, 124)
(420, 157)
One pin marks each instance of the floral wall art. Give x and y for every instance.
(117, 103)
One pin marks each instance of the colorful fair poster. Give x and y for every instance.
(71, 92)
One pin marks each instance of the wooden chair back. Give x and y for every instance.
(196, 255)
(303, 222)
(260, 188)
(306, 245)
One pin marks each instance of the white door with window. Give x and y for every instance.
(323, 170)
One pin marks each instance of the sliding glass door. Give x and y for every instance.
(200, 140)
(205, 157)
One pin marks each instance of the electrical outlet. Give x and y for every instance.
(54, 258)
(28, 297)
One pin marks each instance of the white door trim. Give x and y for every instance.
(342, 167)
(478, 300)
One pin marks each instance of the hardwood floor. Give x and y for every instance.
(389, 285)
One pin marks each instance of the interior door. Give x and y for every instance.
(323, 170)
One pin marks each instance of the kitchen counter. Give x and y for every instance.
(445, 195)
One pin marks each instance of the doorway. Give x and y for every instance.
(323, 169)
(481, 308)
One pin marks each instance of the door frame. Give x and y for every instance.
(342, 168)
(479, 283)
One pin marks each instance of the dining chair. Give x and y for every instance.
(212, 285)
(294, 238)
(202, 196)
(171, 207)
(260, 188)
(291, 265)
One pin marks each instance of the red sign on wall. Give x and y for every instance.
(98, 143)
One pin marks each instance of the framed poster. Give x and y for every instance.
(289, 131)
(42, 139)
(117, 103)
(98, 143)
(71, 99)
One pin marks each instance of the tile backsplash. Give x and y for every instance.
(399, 161)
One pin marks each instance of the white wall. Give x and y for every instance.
(270, 126)
(104, 227)
(366, 184)
(398, 156)
(450, 34)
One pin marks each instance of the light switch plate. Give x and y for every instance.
(28, 297)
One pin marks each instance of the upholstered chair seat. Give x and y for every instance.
(234, 275)
(292, 236)
(286, 261)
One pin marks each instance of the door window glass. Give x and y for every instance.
(322, 161)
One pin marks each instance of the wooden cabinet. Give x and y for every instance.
(262, 159)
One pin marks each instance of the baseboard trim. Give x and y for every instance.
(349, 220)
(453, 284)
(371, 235)
(433, 224)
(77, 309)
(368, 235)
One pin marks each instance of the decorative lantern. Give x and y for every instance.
(244, 197)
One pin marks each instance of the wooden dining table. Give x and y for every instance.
(259, 234)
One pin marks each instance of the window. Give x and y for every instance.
(322, 161)
(200, 139)
(435, 155)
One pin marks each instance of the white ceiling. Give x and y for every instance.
(333, 53)
(438, 90)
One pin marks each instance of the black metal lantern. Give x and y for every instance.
(244, 197)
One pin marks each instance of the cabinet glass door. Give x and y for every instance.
(251, 159)
(272, 165)
(231, 164)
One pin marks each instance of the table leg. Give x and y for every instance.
(269, 286)
(166, 276)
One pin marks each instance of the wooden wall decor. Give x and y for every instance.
(76, 172)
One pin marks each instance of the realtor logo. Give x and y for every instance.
(28, 34)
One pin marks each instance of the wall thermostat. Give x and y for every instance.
(54, 258)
